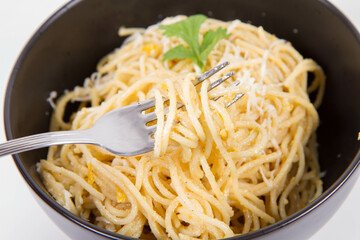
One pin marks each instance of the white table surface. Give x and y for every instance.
(20, 216)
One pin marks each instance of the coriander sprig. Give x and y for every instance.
(188, 30)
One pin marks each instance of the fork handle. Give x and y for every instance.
(44, 140)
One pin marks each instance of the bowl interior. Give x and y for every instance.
(66, 49)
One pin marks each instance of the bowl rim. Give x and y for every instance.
(49, 200)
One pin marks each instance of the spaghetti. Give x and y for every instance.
(215, 171)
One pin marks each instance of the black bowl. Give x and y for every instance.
(67, 47)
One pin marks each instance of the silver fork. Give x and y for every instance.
(122, 131)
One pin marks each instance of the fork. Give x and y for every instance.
(122, 131)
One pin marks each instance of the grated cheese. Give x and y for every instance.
(51, 98)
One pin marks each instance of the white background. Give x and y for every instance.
(20, 216)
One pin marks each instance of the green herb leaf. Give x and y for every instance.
(188, 30)
(210, 39)
(178, 52)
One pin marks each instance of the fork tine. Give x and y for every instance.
(151, 129)
(149, 117)
(209, 73)
(233, 84)
(221, 80)
(237, 97)
(144, 105)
